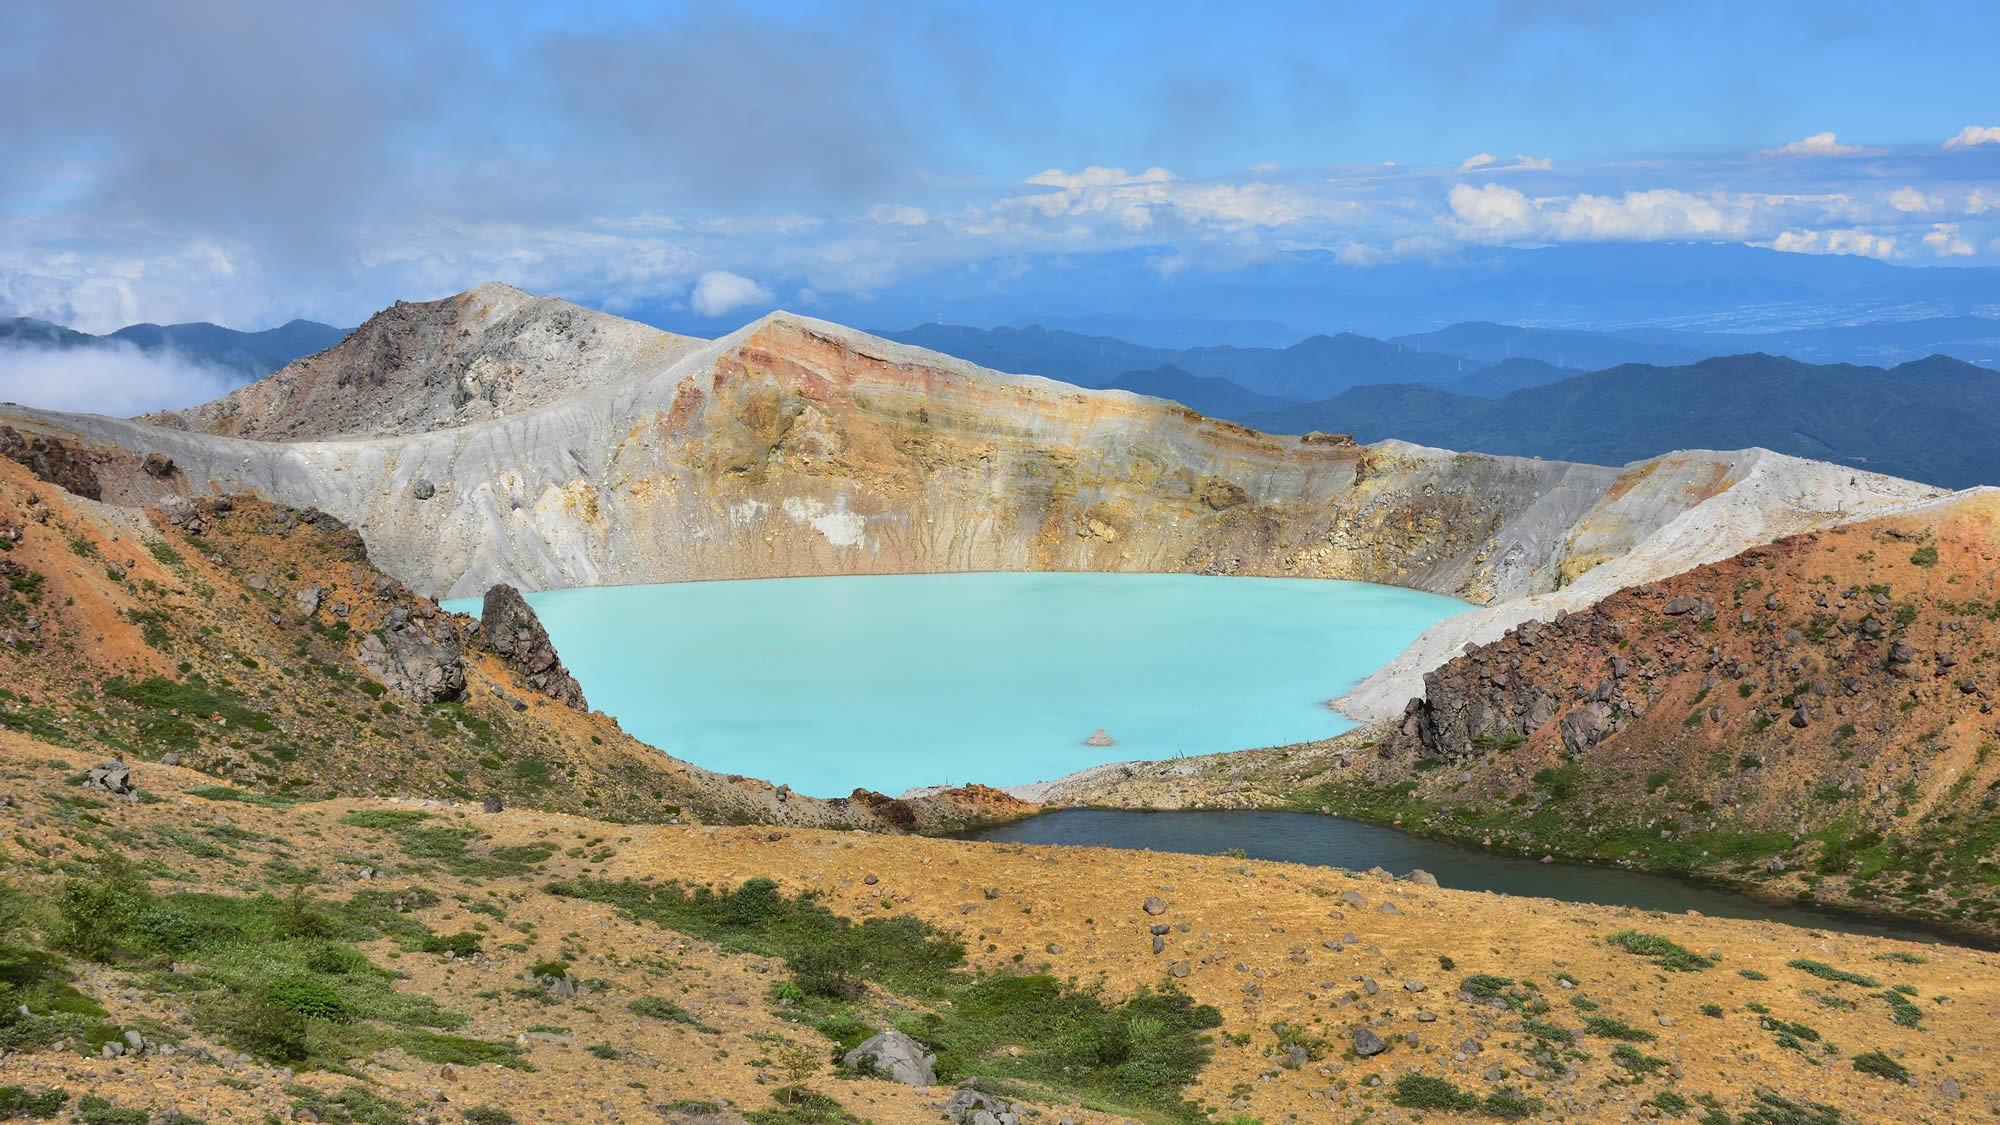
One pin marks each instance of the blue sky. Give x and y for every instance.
(248, 162)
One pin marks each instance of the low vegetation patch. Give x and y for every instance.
(1136, 1053)
(1423, 1091)
(1824, 971)
(1665, 953)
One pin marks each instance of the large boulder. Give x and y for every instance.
(893, 1054)
(508, 626)
(420, 659)
(970, 1107)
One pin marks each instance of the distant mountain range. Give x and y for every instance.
(1930, 420)
(1497, 389)
(250, 354)
(1314, 368)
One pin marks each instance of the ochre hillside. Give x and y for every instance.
(419, 961)
(258, 644)
(1814, 717)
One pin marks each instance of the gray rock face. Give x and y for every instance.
(897, 1056)
(112, 777)
(508, 626)
(422, 661)
(970, 1107)
(1368, 1043)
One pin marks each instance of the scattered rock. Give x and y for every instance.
(112, 777)
(422, 664)
(1423, 878)
(423, 489)
(1367, 1043)
(895, 1055)
(1155, 905)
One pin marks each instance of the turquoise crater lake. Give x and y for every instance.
(896, 681)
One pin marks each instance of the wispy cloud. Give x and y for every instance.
(116, 379)
(1487, 162)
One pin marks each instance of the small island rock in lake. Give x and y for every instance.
(1098, 738)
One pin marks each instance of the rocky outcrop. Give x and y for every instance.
(488, 353)
(419, 656)
(52, 460)
(894, 1055)
(508, 626)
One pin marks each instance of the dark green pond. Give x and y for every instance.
(1332, 842)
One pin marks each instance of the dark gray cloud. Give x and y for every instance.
(225, 117)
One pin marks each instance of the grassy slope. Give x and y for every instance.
(722, 966)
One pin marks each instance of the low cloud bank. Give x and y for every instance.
(119, 379)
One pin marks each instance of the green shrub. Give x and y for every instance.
(93, 1110)
(1926, 555)
(1902, 1012)
(308, 996)
(1670, 1103)
(1881, 1066)
(390, 820)
(1824, 971)
(1665, 953)
(1507, 1105)
(16, 1101)
(463, 944)
(488, 1115)
(1605, 1027)
(652, 1007)
(1635, 1060)
(1422, 1091)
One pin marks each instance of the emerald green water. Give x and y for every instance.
(898, 681)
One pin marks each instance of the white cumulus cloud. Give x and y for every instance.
(1497, 213)
(1851, 241)
(1819, 144)
(1975, 135)
(718, 292)
(1945, 242)
(1911, 201)
(119, 380)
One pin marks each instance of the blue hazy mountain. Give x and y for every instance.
(1930, 420)
(250, 354)
(1215, 397)
(1316, 367)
